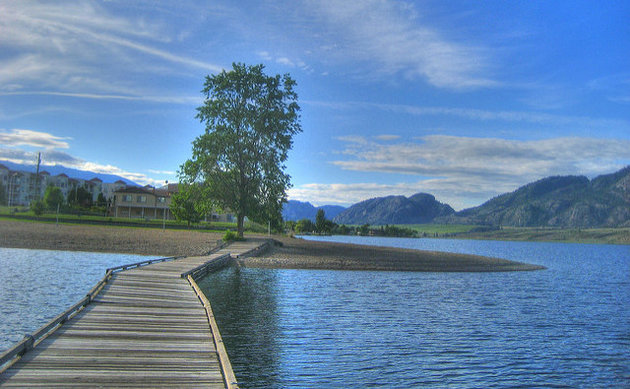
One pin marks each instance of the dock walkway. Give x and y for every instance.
(148, 327)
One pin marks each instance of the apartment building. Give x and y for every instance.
(21, 187)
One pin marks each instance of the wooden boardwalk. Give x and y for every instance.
(146, 328)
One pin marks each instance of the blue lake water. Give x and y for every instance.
(37, 285)
(567, 326)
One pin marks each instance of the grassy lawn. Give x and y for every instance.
(575, 235)
(105, 220)
(440, 229)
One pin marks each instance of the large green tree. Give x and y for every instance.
(239, 161)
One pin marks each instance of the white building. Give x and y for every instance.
(21, 188)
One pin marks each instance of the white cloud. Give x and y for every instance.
(18, 137)
(443, 156)
(167, 172)
(12, 140)
(387, 137)
(285, 61)
(458, 194)
(264, 55)
(464, 171)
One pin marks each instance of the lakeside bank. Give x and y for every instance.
(288, 253)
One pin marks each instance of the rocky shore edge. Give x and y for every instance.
(292, 253)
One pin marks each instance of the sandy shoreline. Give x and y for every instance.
(288, 253)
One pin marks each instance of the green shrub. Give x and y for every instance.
(38, 207)
(231, 236)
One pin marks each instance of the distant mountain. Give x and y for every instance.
(561, 201)
(72, 173)
(419, 208)
(296, 210)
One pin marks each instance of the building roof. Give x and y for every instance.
(44, 173)
(120, 182)
(96, 179)
(133, 189)
(162, 192)
(3, 167)
(62, 175)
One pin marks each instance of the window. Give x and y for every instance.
(142, 199)
(161, 200)
(127, 198)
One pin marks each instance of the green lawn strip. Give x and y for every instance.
(438, 228)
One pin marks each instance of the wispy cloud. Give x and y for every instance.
(188, 100)
(387, 137)
(18, 137)
(81, 48)
(533, 117)
(393, 39)
(285, 61)
(615, 87)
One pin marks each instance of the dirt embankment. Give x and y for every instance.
(148, 241)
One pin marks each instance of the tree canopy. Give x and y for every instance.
(187, 205)
(239, 162)
(53, 197)
(79, 196)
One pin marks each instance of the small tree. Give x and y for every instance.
(101, 201)
(3, 195)
(38, 207)
(53, 197)
(320, 221)
(304, 225)
(289, 225)
(79, 196)
(187, 205)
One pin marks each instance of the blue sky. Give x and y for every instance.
(461, 99)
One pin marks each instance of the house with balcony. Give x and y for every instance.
(145, 203)
(153, 203)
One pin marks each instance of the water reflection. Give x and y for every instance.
(245, 307)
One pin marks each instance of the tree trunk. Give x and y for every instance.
(240, 222)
